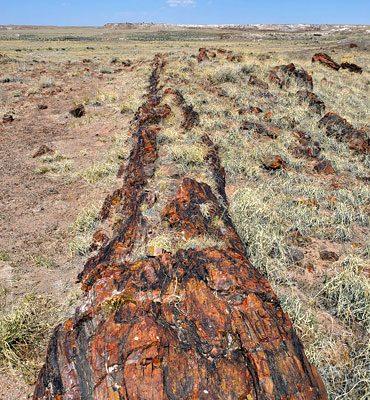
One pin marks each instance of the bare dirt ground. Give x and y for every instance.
(42, 198)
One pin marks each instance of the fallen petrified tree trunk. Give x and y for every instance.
(196, 323)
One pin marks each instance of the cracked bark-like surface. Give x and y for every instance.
(196, 323)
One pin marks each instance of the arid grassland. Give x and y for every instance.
(306, 228)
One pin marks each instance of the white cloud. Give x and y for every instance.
(181, 3)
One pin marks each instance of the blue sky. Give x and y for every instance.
(98, 12)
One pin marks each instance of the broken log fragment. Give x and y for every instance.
(193, 323)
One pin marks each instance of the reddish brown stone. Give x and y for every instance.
(78, 111)
(268, 115)
(272, 162)
(270, 131)
(232, 57)
(202, 55)
(352, 45)
(283, 74)
(351, 67)
(343, 131)
(43, 149)
(8, 118)
(312, 100)
(329, 255)
(326, 60)
(307, 149)
(324, 167)
(221, 51)
(254, 81)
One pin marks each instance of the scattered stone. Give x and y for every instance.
(231, 57)
(283, 74)
(329, 255)
(325, 59)
(221, 51)
(352, 45)
(307, 149)
(343, 131)
(42, 107)
(268, 115)
(272, 162)
(7, 118)
(255, 110)
(270, 131)
(254, 81)
(324, 167)
(351, 67)
(202, 55)
(295, 255)
(127, 63)
(43, 149)
(302, 135)
(78, 111)
(312, 99)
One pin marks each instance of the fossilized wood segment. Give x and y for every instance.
(199, 323)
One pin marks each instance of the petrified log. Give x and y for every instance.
(193, 323)
(343, 131)
(283, 74)
(351, 67)
(325, 59)
(312, 100)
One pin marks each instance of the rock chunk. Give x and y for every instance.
(312, 99)
(78, 111)
(327, 255)
(202, 55)
(43, 150)
(273, 162)
(7, 118)
(325, 59)
(351, 67)
(343, 131)
(271, 131)
(283, 74)
(324, 167)
(254, 81)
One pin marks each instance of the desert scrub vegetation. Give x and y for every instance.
(47, 83)
(108, 166)
(81, 230)
(24, 332)
(54, 164)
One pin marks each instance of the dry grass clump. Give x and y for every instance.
(24, 333)
(82, 229)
